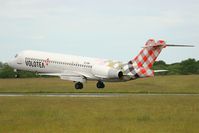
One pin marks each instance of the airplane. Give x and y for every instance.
(79, 69)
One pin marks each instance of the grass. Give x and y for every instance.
(160, 84)
(140, 114)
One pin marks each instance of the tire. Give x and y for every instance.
(79, 86)
(100, 85)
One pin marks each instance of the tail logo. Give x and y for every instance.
(141, 65)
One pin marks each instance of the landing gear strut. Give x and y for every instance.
(100, 85)
(16, 73)
(79, 85)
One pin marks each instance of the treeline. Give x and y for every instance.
(8, 72)
(186, 67)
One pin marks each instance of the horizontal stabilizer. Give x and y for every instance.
(160, 71)
(162, 43)
(173, 45)
(168, 45)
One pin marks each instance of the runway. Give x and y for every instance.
(87, 95)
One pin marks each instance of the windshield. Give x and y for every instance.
(16, 55)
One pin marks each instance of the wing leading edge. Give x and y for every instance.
(67, 75)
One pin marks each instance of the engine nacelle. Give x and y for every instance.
(106, 72)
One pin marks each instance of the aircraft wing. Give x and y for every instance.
(68, 75)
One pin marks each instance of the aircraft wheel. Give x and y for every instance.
(100, 85)
(79, 85)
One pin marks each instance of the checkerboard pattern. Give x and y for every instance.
(141, 65)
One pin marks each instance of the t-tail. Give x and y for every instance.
(141, 65)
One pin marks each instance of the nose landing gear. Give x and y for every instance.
(16, 73)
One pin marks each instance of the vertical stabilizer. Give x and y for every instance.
(141, 65)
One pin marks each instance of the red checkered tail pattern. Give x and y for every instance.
(149, 54)
(141, 65)
(144, 61)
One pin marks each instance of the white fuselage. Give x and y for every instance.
(67, 66)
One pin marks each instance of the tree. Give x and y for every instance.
(174, 69)
(161, 62)
(1, 64)
(198, 67)
(159, 65)
(189, 66)
(7, 72)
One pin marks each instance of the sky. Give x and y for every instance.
(110, 29)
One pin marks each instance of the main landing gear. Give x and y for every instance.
(79, 85)
(100, 85)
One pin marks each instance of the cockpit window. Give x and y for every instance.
(16, 55)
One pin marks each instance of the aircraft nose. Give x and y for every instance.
(10, 63)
